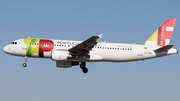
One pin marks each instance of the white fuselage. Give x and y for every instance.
(69, 53)
(109, 52)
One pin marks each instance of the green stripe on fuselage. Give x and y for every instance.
(32, 46)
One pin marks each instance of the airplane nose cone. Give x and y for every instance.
(5, 49)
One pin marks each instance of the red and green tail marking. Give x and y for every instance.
(161, 37)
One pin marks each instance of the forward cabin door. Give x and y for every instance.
(140, 51)
(24, 45)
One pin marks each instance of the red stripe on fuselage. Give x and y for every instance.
(45, 46)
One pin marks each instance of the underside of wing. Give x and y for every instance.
(82, 50)
(86, 45)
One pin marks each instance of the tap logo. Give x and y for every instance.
(37, 47)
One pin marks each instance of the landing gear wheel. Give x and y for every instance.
(24, 64)
(82, 65)
(85, 70)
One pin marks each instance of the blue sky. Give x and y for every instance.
(121, 21)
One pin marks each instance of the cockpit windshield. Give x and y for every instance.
(13, 42)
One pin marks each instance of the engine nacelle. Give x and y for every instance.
(66, 64)
(59, 55)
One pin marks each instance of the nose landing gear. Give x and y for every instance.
(24, 64)
(83, 67)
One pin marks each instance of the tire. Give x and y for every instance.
(24, 64)
(85, 70)
(82, 65)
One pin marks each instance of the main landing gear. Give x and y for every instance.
(83, 67)
(24, 64)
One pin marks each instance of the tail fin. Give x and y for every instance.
(161, 37)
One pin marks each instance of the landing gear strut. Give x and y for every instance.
(83, 67)
(24, 64)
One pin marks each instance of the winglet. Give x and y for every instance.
(100, 36)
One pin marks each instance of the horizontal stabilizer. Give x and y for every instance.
(165, 48)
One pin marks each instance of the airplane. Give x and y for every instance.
(69, 53)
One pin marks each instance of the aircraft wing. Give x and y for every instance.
(85, 46)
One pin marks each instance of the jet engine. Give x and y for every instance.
(66, 64)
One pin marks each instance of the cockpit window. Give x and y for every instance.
(13, 42)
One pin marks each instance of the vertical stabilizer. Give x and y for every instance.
(161, 37)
